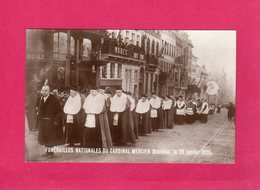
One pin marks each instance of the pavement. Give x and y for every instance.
(213, 142)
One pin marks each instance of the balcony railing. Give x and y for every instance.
(35, 56)
(59, 56)
(111, 46)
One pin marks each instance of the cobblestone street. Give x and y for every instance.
(213, 142)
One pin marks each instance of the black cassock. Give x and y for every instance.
(124, 130)
(50, 122)
(142, 120)
(73, 130)
(92, 136)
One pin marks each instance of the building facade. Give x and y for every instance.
(138, 61)
(132, 61)
(151, 43)
(167, 62)
(125, 56)
(175, 62)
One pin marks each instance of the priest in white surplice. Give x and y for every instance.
(71, 110)
(180, 111)
(93, 106)
(122, 121)
(142, 115)
(155, 103)
(168, 113)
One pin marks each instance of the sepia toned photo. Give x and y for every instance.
(130, 96)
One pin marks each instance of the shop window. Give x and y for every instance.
(104, 71)
(119, 71)
(135, 75)
(112, 70)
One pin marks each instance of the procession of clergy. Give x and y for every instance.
(104, 120)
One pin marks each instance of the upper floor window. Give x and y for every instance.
(133, 38)
(148, 45)
(60, 40)
(126, 40)
(85, 50)
(153, 47)
(127, 33)
(138, 39)
(157, 48)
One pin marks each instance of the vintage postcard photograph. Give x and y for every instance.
(130, 96)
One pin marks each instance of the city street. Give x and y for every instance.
(213, 142)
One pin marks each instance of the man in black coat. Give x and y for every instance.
(231, 111)
(50, 121)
